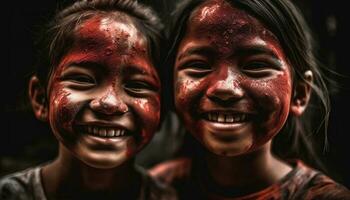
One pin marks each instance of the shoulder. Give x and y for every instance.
(323, 187)
(154, 189)
(20, 185)
(316, 185)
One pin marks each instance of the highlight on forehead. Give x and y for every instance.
(105, 28)
(220, 13)
(126, 25)
(213, 10)
(106, 23)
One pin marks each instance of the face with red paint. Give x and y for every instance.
(232, 81)
(104, 96)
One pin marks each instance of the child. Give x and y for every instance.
(98, 88)
(243, 72)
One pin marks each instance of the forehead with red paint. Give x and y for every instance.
(225, 25)
(111, 40)
(116, 30)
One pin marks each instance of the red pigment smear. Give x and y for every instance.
(225, 25)
(224, 28)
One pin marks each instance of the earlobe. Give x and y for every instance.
(37, 96)
(302, 93)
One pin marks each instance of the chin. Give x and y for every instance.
(228, 149)
(104, 160)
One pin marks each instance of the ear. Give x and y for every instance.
(37, 96)
(302, 93)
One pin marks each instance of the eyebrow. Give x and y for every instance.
(132, 69)
(241, 51)
(137, 70)
(86, 64)
(255, 50)
(204, 50)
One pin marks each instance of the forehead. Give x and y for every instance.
(113, 27)
(219, 16)
(109, 40)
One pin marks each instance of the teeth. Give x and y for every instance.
(117, 132)
(221, 118)
(215, 117)
(104, 132)
(95, 131)
(110, 133)
(229, 118)
(226, 118)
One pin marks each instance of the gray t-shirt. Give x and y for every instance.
(27, 185)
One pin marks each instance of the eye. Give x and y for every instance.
(256, 66)
(79, 81)
(259, 68)
(139, 87)
(79, 78)
(83, 79)
(197, 68)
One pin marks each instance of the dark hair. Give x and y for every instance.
(58, 36)
(286, 22)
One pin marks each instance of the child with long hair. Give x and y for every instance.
(243, 72)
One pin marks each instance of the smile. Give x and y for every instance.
(105, 132)
(221, 117)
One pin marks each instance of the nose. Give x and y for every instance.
(109, 103)
(226, 87)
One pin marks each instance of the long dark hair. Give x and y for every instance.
(286, 22)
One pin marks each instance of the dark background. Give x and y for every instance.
(26, 142)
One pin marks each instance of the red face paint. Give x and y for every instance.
(232, 80)
(104, 94)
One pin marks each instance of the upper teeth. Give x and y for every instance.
(226, 118)
(104, 131)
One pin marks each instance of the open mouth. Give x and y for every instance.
(225, 117)
(105, 132)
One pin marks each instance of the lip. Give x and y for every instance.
(102, 140)
(224, 127)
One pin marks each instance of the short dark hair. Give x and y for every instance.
(287, 23)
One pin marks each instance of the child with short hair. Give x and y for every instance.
(98, 87)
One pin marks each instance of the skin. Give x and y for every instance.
(230, 65)
(106, 82)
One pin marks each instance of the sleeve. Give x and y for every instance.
(322, 187)
(12, 189)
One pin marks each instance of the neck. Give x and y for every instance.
(250, 172)
(67, 175)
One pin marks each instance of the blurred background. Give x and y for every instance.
(26, 142)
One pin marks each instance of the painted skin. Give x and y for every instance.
(233, 83)
(105, 85)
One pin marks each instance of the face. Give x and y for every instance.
(232, 82)
(104, 94)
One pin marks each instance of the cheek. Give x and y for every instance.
(188, 96)
(186, 91)
(272, 98)
(148, 114)
(63, 108)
